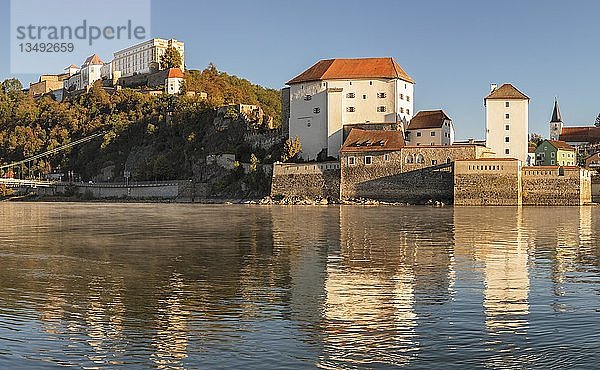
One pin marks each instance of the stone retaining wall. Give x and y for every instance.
(311, 180)
(487, 182)
(595, 187)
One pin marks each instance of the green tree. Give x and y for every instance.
(536, 139)
(291, 149)
(597, 123)
(11, 85)
(171, 59)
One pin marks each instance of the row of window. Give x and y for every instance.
(486, 168)
(409, 159)
(380, 95)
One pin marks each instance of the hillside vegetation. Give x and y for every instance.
(154, 137)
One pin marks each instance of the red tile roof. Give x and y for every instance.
(507, 91)
(338, 69)
(175, 73)
(561, 145)
(373, 141)
(428, 119)
(93, 60)
(585, 134)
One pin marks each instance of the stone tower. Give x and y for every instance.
(556, 124)
(507, 122)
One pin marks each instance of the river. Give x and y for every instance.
(196, 286)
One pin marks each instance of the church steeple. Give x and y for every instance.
(556, 113)
(556, 124)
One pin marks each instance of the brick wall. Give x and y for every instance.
(311, 180)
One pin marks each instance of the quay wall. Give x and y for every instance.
(311, 180)
(168, 190)
(487, 183)
(595, 187)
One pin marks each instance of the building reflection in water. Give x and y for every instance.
(376, 278)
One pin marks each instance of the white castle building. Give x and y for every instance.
(337, 92)
(507, 122)
(145, 57)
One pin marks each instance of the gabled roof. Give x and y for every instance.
(175, 73)
(72, 66)
(93, 60)
(373, 141)
(556, 113)
(428, 119)
(507, 91)
(560, 145)
(582, 134)
(339, 69)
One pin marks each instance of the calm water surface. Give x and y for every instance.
(190, 286)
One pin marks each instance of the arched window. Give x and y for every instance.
(448, 160)
(409, 159)
(420, 158)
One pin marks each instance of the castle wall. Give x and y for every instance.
(311, 180)
(487, 183)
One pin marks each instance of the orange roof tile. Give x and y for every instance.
(175, 73)
(507, 91)
(93, 60)
(373, 141)
(428, 119)
(338, 69)
(561, 145)
(582, 134)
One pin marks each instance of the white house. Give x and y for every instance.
(507, 122)
(431, 127)
(336, 92)
(145, 57)
(90, 72)
(174, 81)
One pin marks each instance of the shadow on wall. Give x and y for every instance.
(414, 187)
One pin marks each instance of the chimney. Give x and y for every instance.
(493, 87)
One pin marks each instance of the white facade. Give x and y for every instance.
(320, 109)
(507, 124)
(173, 85)
(90, 72)
(144, 57)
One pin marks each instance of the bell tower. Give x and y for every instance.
(556, 124)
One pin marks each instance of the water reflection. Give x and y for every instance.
(172, 286)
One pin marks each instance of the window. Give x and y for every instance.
(507, 127)
(507, 116)
(507, 139)
(350, 95)
(401, 110)
(364, 96)
(351, 161)
(402, 96)
(552, 162)
(381, 109)
(418, 133)
(506, 151)
(420, 158)
(308, 97)
(386, 157)
(552, 154)
(434, 162)
(407, 111)
(507, 104)
(407, 98)
(432, 133)
(370, 82)
(368, 160)
(448, 160)
(317, 110)
(409, 159)
(381, 95)
(350, 109)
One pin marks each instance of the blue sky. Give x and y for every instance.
(453, 49)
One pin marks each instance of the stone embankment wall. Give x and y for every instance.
(385, 180)
(311, 180)
(548, 186)
(595, 187)
(487, 182)
(168, 190)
